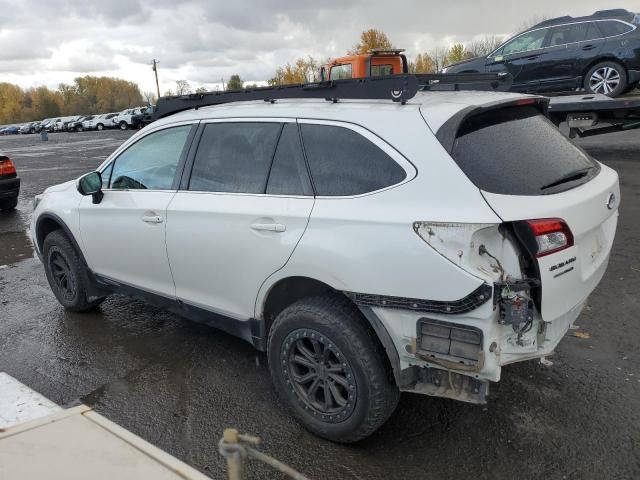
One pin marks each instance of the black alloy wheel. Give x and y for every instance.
(320, 375)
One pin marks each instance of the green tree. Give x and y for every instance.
(370, 39)
(235, 83)
(456, 53)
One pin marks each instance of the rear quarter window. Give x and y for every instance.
(518, 151)
(611, 28)
(344, 163)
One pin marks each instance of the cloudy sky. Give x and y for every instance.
(53, 41)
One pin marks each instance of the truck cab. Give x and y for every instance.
(375, 63)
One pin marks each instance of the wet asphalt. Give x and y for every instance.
(178, 384)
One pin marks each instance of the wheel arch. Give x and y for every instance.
(603, 59)
(288, 290)
(49, 222)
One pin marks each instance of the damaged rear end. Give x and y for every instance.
(559, 211)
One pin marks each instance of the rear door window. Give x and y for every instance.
(234, 157)
(289, 175)
(518, 151)
(593, 32)
(344, 163)
(566, 34)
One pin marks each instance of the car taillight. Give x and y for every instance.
(551, 235)
(7, 167)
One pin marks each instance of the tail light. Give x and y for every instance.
(7, 167)
(551, 235)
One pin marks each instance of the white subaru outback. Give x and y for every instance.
(369, 247)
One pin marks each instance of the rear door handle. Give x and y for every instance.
(152, 218)
(533, 57)
(269, 227)
(588, 47)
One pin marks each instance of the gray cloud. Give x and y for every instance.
(202, 41)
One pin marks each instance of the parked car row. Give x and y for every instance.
(136, 117)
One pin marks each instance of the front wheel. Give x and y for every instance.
(66, 274)
(330, 370)
(100, 127)
(124, 125)
(607, 78)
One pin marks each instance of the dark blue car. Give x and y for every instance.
(599, 53)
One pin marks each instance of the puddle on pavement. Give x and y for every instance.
(14, 247)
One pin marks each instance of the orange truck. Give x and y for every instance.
(375, 63)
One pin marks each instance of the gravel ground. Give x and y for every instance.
(178, 384)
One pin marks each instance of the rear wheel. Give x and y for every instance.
(123, 125)
(330, 369)
(607, 78)
(67, 275)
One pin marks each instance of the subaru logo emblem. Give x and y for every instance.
(611, 201)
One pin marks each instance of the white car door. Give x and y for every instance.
(240, 215)
(124, 235)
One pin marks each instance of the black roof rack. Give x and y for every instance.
(398, 88)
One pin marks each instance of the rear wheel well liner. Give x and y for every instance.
(289, 290)
(602, 60)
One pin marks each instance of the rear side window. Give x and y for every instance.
(593, 32)
(565, 34)
(234, 157)
(517, 151)
(611, 28)
(289, 175)
(343, 162)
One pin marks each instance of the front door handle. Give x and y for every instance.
(588, 47)
(269, 227)
(533, 57)
(152, 218)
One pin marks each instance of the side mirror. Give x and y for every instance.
(498, 59)
(91, 184)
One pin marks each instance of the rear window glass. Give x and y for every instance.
(517, 151)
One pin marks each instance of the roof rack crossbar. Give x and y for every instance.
(397, 88)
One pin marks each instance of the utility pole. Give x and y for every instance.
(223, 84)
(155, 70)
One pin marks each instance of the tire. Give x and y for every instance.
(67, 276)
(79, 129)
(100, 127)
(123, 125)
(331, 328)
(608, 78)
(9, 204)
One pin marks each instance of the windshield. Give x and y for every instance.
(518, 151)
